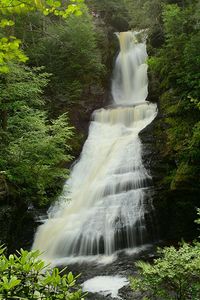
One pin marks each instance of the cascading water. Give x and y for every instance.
(130, 83)
(108, 187)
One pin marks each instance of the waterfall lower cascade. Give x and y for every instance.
(106, 205)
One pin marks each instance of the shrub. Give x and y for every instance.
(175, 275)
(25, 276)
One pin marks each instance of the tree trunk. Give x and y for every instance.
(4, 119)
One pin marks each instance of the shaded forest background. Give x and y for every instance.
(46, 103)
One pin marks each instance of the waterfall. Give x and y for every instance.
(106, 202)
(130, 84)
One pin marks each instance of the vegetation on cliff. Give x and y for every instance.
(175, 69)
(177, 65)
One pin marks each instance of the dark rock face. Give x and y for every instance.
(3, 189)
(150, 152)
(17, 227)
(80, 114)
(153, 162)
(128, 293)
(175, 209)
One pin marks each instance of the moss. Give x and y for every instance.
(184, 177)
(175, 169)
(179, 143)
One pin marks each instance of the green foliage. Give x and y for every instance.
(177, 64)
(175, 275)
(145, 13)
(35, 135)
(26, 276)
(9, 51)
(33, 149)
(69, 51)
(113, 12)
(178, 60)
(182, 145)
(198, 213)
(9, 45)
(48, 6)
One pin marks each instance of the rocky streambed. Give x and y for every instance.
(111, 280)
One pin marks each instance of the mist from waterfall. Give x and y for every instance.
(106, 204)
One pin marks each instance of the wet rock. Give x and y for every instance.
(151, 154)
(96, 296)
(126, 293)
(17, 227)
(124, 266)
(174, 207)
(3, 189)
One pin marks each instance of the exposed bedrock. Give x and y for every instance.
(175, 208)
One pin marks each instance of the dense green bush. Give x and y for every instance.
(25, 276)
(175, 275)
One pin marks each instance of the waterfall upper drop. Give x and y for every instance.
(130, 83)
(110, 206)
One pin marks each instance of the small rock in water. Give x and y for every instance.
(105, 285)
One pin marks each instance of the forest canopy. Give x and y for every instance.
(10, 49)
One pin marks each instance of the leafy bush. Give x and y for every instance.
(175, 275)
(25, 276)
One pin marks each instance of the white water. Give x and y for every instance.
(107, 187)
(105, 285)
(130, 83)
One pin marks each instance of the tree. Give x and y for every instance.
(69, 51)
(33, 149)
(9, 9)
